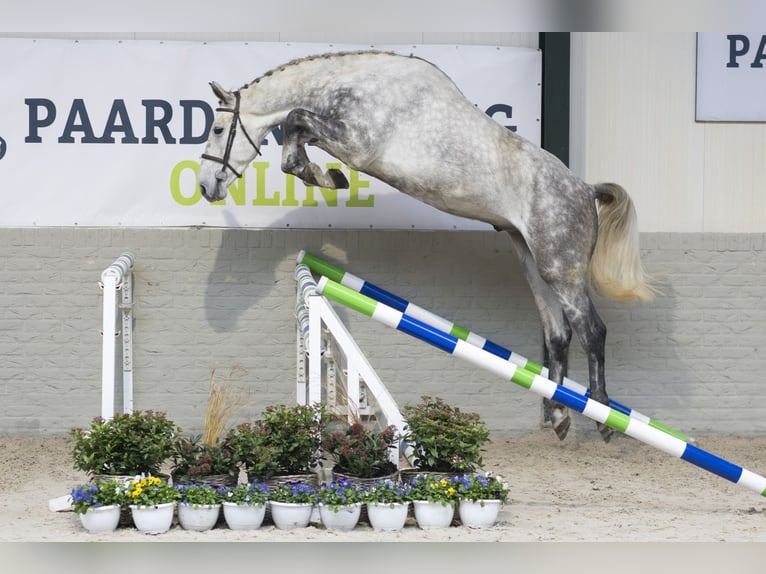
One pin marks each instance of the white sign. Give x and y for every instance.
(107, 133)
(731, 77)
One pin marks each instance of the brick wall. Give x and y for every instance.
(208, 298)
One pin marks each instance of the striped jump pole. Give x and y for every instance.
(306, 286)
(321, 267)
(538, 384)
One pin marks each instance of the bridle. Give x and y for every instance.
(221, 174)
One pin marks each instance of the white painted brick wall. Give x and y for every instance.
(209, 298)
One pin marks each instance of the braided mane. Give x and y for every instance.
(324, 56)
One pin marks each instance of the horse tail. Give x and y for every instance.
(616, 269)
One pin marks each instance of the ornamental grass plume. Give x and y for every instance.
(224, 402)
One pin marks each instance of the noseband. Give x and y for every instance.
(236, 120)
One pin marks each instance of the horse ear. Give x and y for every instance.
(220, 93)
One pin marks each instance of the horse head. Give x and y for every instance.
(232, 144)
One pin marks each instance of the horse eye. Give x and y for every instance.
(217, 130)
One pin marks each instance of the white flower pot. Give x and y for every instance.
(243, 516)
(101, 519)
(289, 515)
(433, 514)
(388, 516)
(344, 518)
(154, 519)
(198, 517)
(479, 514)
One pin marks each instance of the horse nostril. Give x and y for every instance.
(203, 190)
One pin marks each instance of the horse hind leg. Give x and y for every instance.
(303, 127)
(556, 331)
(590, 329)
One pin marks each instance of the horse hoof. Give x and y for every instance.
(337, 178)
(310, 174)
(606, 432)
(561, 424)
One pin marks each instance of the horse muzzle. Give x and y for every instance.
(214, 192)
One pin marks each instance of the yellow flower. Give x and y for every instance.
(443, 482)
(450, 491)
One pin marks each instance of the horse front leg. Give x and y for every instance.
(303, 127)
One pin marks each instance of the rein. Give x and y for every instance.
(235, 120)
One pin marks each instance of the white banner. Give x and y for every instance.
(108, 133)
(731, 77)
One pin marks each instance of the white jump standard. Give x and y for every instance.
(546, 388)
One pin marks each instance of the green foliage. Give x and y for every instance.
(199, 494)
(358, 451)
(135, 443)
(253, 451)
(97, 494)
(296, 432)
(433, 488)
(444, 438)
(477, 487)
(339, 493)
(294, 492)
(387, 491)
(192, 458)
(252, 493)
(149, 491)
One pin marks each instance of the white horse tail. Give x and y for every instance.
(616, 269)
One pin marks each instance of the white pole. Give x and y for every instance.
(116, 276)
(107, 348)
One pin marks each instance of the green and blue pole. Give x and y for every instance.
(321, 267)
(538, 384)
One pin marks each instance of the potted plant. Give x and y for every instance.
(296, 432)
(98, 504)
(480, 497)
(433, 499)
(199, 506)
(444, 438)
(126, 445)
(282, 446)
(340, 504)
(152, 502)
(244, 505)
(252, 452)
(291, 504)
(387, 503)
(195, 461)
(361, 453)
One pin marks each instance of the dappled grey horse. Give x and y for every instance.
(402, 120)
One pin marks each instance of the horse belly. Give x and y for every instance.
(467, 181)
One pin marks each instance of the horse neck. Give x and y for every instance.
(302, 82)
(278, 92)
